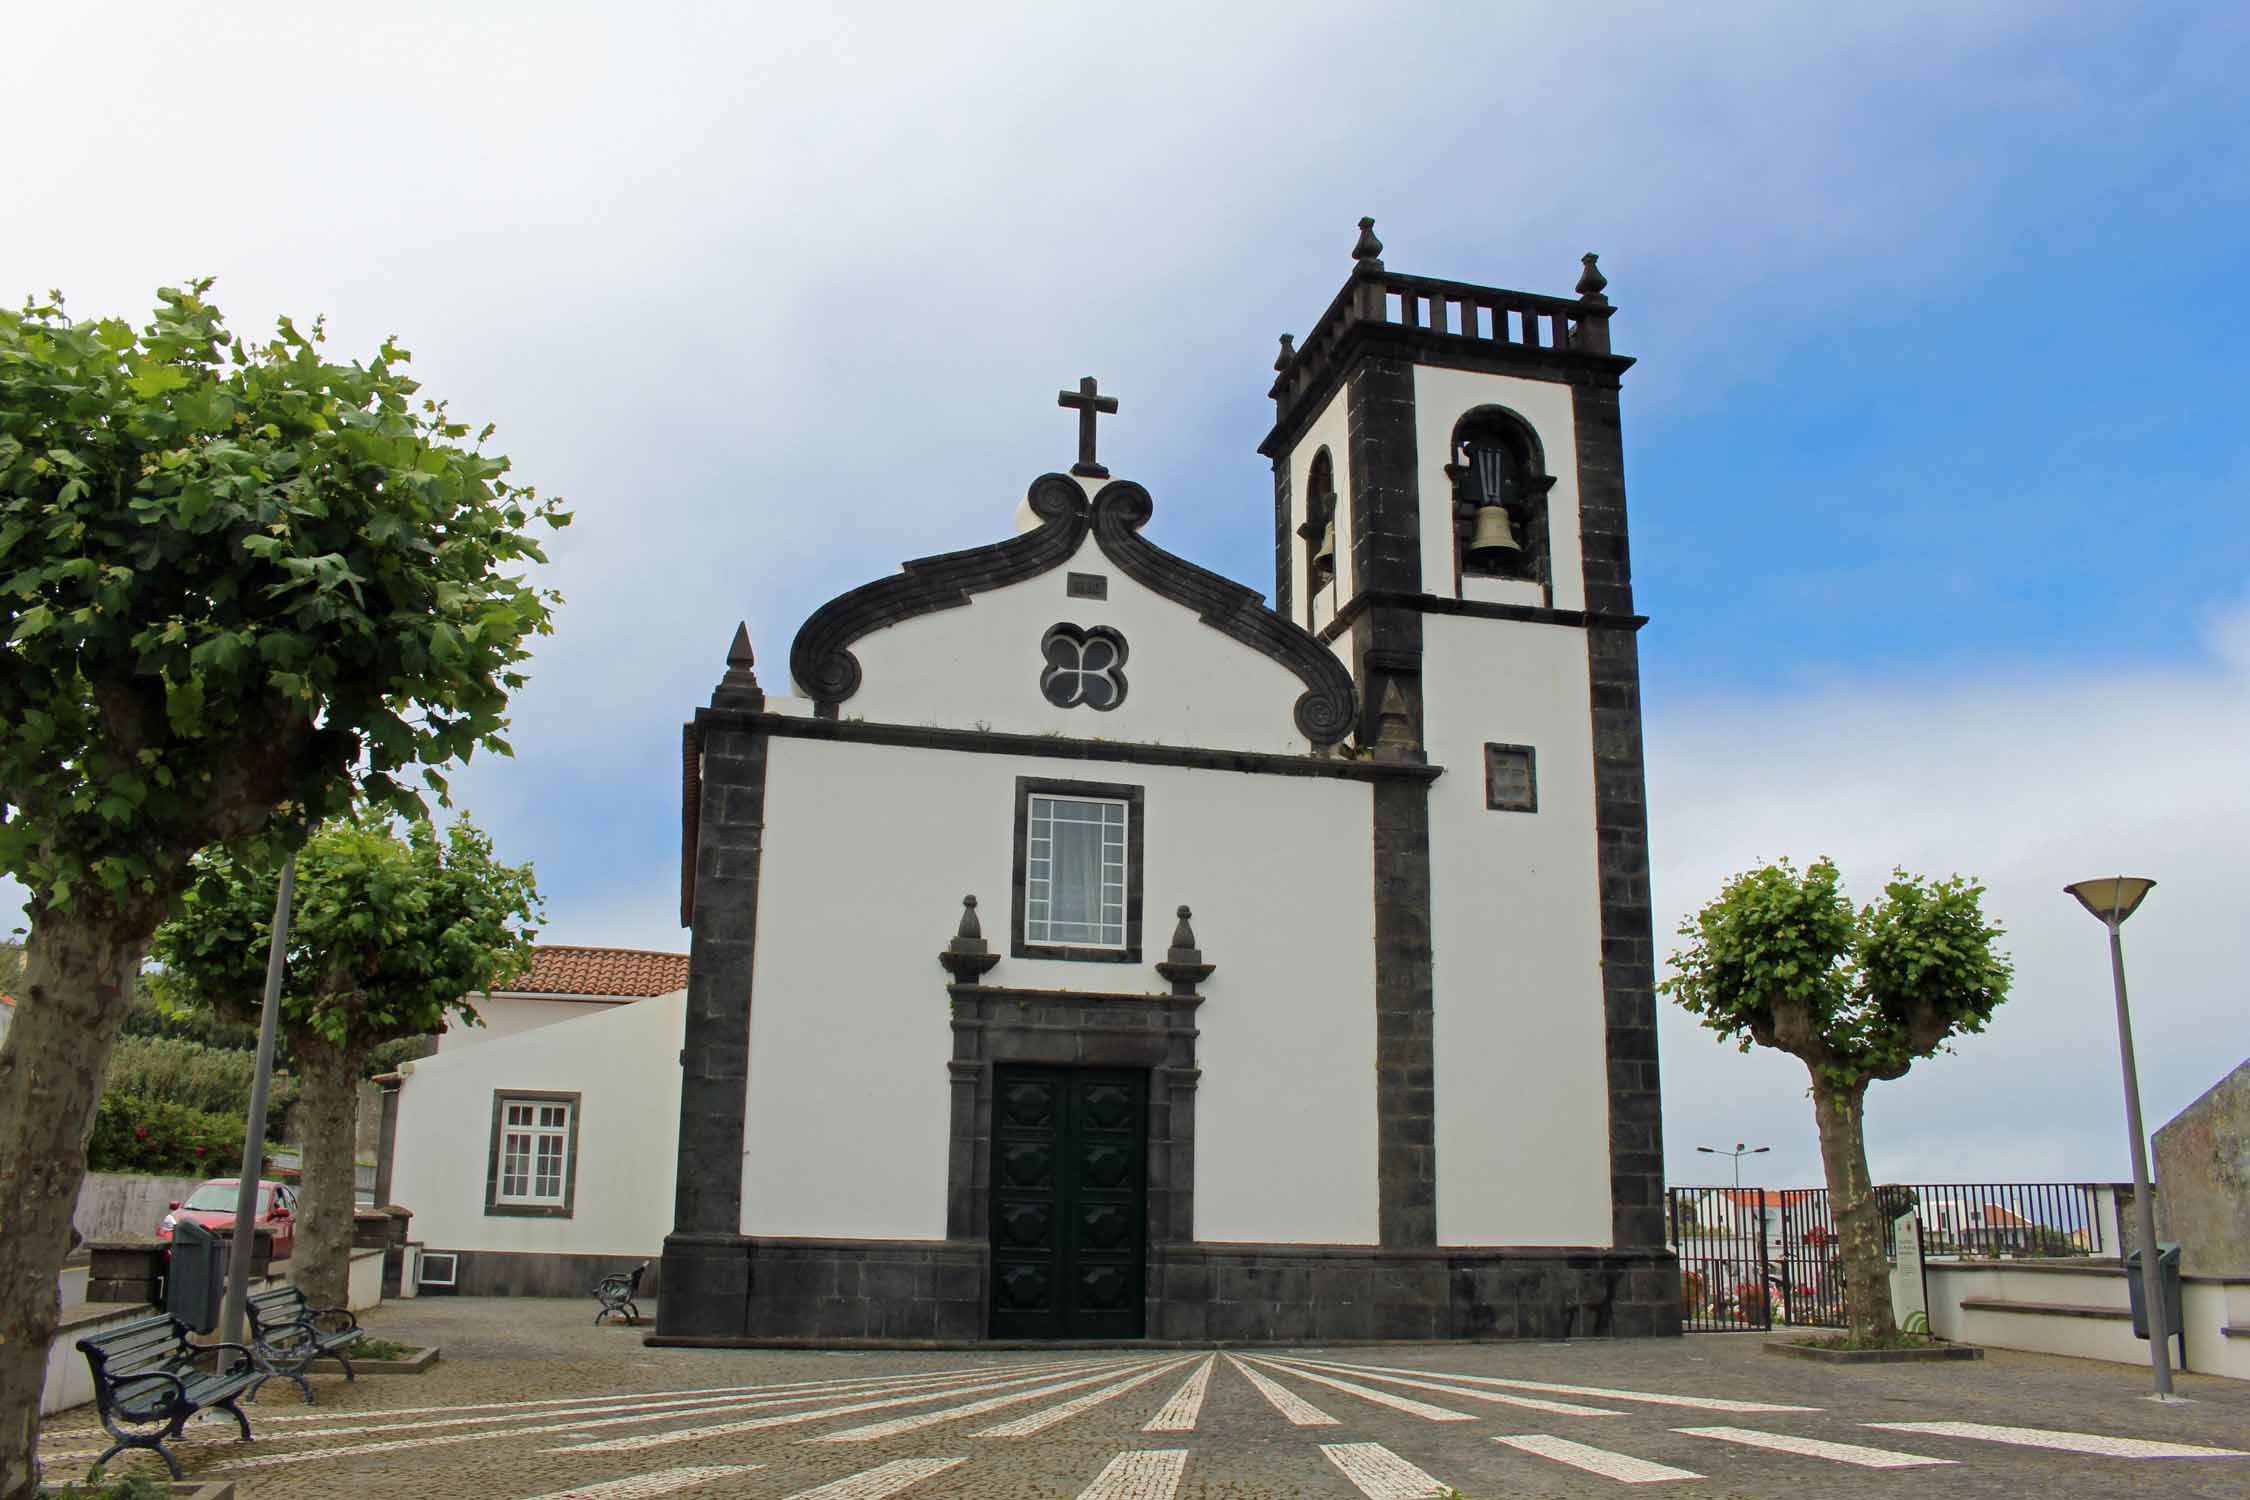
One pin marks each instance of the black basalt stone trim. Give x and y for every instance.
(825, 668)
(1284, 550)
(531, 1273)
(1329, 708)
(707, 1276)
(1339, 1293)
(820, 658)
(1476, 609)
(1073, 1029)
(1429, 347)
(1136, 820)
(1406, 1065)
(1636, 1141)
(984, 742)
(691, 805)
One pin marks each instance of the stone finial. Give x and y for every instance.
(1288, 353)
(1183, 962)
(1368, 251)
(1394, 727)
(968, 956)
(739, 687)
(1591, 280)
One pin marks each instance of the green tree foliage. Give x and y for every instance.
(1782, 959)
(215, 1079)
(389, 936)
(11, 968)
(157, 1014)
(241, 588)
(137, 1134)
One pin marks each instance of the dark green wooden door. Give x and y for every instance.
(1069, 1203)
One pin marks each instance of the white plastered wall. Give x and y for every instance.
(867, 852)
(1522, 1075)
(512, 1015)
(1328, 430)
(624, 1063)
(978, 667)
(1441, 399)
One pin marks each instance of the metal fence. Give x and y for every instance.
(1752, 1257)
(2045, 1219)
(1721, 1238)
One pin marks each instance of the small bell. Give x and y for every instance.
(1494, 533)
(1324, 556)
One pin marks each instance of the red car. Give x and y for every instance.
(212, 1205)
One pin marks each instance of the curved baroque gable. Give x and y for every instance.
(822, 661)
(1329, 707)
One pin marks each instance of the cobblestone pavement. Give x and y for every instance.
(530, 1401)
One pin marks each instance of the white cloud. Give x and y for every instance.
(2026, 779)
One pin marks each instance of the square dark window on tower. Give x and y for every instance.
(1511, 778)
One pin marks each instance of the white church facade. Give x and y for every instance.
(1395, 1077)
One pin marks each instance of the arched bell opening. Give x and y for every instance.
(1500, 485)
(1318, 534)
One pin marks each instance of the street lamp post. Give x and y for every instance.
(2112, 901)
(1739, 1152)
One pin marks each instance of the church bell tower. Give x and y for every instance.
(1449, 517)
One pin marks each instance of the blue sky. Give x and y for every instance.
(1936, 458)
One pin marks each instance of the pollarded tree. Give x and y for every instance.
(388, 937)
(1781, 959)
(240, 588)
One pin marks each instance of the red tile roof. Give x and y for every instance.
(630, 973)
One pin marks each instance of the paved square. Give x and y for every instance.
(531, 1403)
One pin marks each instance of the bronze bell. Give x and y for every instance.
(1324, 556)
(1494, 533)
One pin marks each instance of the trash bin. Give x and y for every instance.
(196, 1279)
(2168, 1280)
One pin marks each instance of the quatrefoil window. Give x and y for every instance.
(1084, 666)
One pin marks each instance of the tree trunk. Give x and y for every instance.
(326, 1116)
(78, 986)
(1840, 1111)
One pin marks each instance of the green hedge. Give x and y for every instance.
(215, 1079)
(132, 1134)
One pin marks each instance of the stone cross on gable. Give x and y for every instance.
(1089, 404)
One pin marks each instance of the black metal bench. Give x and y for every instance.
(148, 1380)
(287, 1334)
(616, 1292)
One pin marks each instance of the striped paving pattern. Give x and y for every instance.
(704, 1443)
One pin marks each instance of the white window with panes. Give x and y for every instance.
(1074, 872)
(534, 1152)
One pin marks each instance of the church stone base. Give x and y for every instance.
(756, 1290)
(1285, 1293)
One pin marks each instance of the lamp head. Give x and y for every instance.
(2113, 898)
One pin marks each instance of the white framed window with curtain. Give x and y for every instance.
(1074, 872)
(1077, 876)
(533, 1166)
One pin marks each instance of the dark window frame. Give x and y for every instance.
(493, 1207)
(1136, 830)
